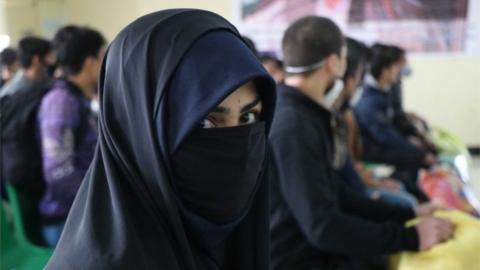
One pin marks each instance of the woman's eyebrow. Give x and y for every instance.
(251, 105)
(221, 110)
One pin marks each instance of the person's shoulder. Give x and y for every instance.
(59, 95)
(13, 85)
(371, 97)
(292, 124)
(289, 117)
(59, 101)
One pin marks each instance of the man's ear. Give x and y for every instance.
(35, 61)
(387, 72)
(334, 65)
(88, 62)
(331, 63)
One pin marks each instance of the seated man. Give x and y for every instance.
(317, 222)
(382, 141)
(354, 172)
(408, 123)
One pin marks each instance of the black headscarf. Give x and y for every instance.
(155, 88)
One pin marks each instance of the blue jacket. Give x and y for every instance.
(382, 141)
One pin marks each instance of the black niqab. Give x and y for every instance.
(127, 214)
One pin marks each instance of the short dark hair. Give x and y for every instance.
(74, 44)
(270, 56)
(382, 57)
(357, 56)
(8, 57)
(398, 50)
(29, 47)
(310, 40)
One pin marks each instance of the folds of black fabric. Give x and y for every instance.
(316, 221)
(126, 214)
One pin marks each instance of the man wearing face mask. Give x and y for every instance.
(383, 141)
(35, 56)
(408, 123)
(354, 172)
(317, 222)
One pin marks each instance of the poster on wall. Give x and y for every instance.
(448, 27)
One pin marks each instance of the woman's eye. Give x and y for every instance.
(206, 123)
(250, 118)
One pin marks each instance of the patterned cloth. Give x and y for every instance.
(65, 161)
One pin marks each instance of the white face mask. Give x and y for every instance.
(333, 93)
(356, 97)
(95, 106)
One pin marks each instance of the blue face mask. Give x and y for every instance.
(406, 71)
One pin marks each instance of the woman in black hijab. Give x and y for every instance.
(179, 178)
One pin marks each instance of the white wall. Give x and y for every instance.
(446, 90)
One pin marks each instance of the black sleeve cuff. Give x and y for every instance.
(411, 240)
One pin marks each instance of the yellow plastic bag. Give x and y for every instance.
(462, 252)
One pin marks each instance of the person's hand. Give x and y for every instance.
(375, 195)
(368, 174)
(417, 117)
(433, 231)
(428, 209)
(390, 185)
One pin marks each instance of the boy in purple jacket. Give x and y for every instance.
(67, 127)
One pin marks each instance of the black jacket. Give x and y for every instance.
(382, 140)
(316, 221)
